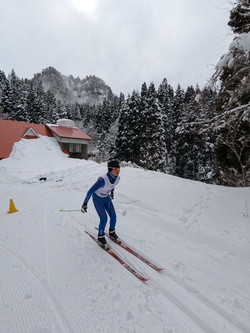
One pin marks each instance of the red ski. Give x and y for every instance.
(136, 254)
(120, 260)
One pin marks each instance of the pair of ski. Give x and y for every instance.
(125, 263)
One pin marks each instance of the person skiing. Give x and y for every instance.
(102, 192)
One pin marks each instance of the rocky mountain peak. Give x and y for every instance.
(70, 90)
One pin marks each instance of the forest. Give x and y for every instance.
(198, 133)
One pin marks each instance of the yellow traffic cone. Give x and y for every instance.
(12, 208)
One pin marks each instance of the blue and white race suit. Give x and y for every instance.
(103, 204)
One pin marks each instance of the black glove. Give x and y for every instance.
(84, 208)
(112, 195)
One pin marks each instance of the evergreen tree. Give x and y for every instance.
(188, 141)
(166, 98)
(176, 140)
(121, 139)
(133, 128)
(88, 114)
(124, 138)
(13, 98)
(208, 170)
(39, 111)
(50, 108)
(239, 20)
(232, 132)
(194, 144)
(3, 83)
(61, 111)
(5, 102)
(30, 104)
(120, 103)
(103, 147)
(104, 118)
(144, 127)
(152, 130)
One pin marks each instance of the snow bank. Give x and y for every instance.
(55, 279)
(35, 158)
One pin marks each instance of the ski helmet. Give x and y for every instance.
(113, 164)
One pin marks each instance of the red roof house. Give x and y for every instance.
(71, 139)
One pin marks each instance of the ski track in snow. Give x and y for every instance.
(176, 297)
(55, 279)
(192, 216)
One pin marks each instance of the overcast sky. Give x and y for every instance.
(124, 42)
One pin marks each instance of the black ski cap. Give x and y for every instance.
(113, 164)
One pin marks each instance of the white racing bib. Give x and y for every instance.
(108, 187)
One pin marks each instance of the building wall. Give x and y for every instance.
(75, 150)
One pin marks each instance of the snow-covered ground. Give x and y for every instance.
(55, 279)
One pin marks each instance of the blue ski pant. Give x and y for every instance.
(104, 208)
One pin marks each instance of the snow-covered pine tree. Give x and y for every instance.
(233, 145)
(166, 99)
(39, 106)
(13, 98)
(122, 139)
(5, 101)
(104, 118)
(208, 170)
(61, 111)
(239, 20)
(187, 140)
(134, 125)
(153, 135)
(144, 127)
(3, 82)
(232, 126)
(30, 103)
(128, 141)
(176, 143)
(50, 108)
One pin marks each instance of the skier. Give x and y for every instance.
(102, 192)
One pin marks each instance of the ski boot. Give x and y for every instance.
(102, 242)
(114, 236)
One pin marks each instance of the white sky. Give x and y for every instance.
(124, 42)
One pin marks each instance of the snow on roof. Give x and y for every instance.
(13, 131)
(67, 132)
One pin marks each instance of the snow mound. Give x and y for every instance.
(36, 158)
(55, 279)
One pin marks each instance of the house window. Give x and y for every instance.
(75, 148)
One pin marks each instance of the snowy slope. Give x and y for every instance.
(54, 278)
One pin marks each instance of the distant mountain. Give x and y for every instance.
(70, 90)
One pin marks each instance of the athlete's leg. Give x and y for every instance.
(101, 211)
(112, 214)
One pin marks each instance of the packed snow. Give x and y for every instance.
(55, 279)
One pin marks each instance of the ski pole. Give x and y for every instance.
(70, 210)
